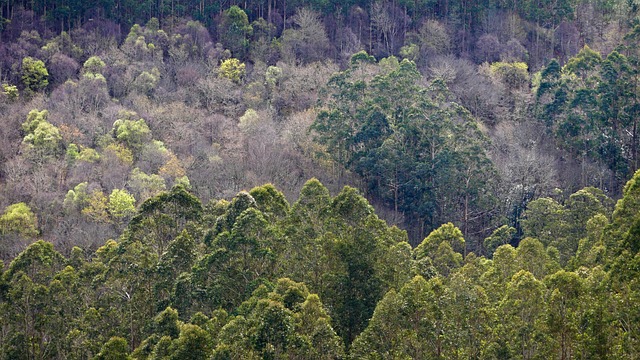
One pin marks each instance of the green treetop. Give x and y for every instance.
(34, 75)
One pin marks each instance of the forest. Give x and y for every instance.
(306, 179)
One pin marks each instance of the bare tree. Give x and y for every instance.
(308, 41)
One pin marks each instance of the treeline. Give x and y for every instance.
(478, 30)
(325, 278)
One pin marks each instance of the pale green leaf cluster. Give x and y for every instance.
(19, 219)
(35, 76)
(232, 69)
(133, 133)
(41, 134)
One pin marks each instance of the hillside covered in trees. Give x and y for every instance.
(468, 163)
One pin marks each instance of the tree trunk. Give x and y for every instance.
(284, 15)
(634, 134)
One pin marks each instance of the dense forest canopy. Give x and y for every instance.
(473, 193)
(325, 278)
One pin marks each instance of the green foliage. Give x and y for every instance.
(522, 317)
(249, 122)
(114, 349)
(45, 137)
(273, 76)
(563, 226)
(241, 202)
(39, 262)
(285, 322)
(11, 91)
(520, 303)
(584, 62)
(447, 233)
(360, 266)
(121, 204)
(146, 185)
(72, 153)
(304, 227)
(77, 198)
(162, 217)
(97, 206)
(179, 258)
(544, 220)
(121, 152)
(44, 298)
(622, 238)
(589, 107)
(234, 30)
(244, 258)
(19, 219)
(514, 75)
(133, 133)
(193, 343)
(409, 52)
(270, 201)
(147, 81)
(565, 311)
(93, 65)
(232, 69)
(34, 75)
(405, 323)
(41, 135)
(533, 258)
(362, 56)
(500, 236)
(88, 155)
(409, 142)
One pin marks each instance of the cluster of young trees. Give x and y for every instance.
(325, 278)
